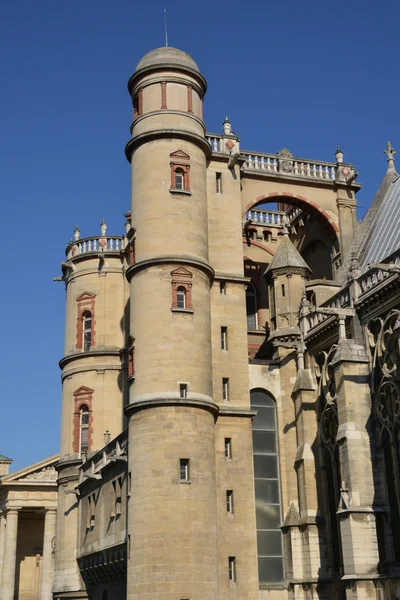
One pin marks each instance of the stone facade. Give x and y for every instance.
(230, 408)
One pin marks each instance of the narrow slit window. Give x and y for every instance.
(228, 448)
(232, 569)
(87, 331)
(84, 445)
(229, 501)
(183, 390)
(184, 469)
(224, 338)
(218, 182)
(222, 287)
(225, 388)
(283, 291)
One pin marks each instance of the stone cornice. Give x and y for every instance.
(106, 351)
(157, 134)
(236, 412)
(172, 260)
(232, 278)
(197, 76)
(171, 399)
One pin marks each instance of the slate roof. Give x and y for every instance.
(287, 256)
(384, 237)
(5, 458)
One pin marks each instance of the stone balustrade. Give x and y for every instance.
(375, 275)
(113, 451)
(272, 218)
(215, 142)
(288, 165)
(94, 244)
(292, 213)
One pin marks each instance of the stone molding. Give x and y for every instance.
(146, 401)
(163, 134)
(173, 260)
(107, 351)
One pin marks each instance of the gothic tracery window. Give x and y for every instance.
(384, 338)
(328, 428)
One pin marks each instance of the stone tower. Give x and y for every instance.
(92, 396)
(172, 512)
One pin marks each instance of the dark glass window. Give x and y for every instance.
(181, 297)
(267, 488)
(87, 331)
(251, 307)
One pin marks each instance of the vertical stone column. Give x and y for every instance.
(2, 540)
(357, 517)
(10, 555)
(48, 559)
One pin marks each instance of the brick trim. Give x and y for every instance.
(85, 304)
(190, 99)
(181, 278)
(163, 95)
(83, 396)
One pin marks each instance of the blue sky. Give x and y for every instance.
(305, 76)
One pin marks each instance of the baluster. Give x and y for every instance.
(296, 168)
(118, 245)
(262, 164)
(256, 165)
(308, 169)
(275, 165)
(314, 170)
(268, 164)
(278, 219)
(250, 161)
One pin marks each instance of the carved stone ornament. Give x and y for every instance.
(329, 422)
(46, 474)
(285, 160)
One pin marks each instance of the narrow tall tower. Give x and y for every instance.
(172, 510)
(97, 294)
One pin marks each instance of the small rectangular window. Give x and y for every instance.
(228, 447)
(224, 338)
(184, 469)
(283, 290)
(229, 501)
(232, 569)
(225, 388)
(218, 182)
(222, 287)
(183, 390)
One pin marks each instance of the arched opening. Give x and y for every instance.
(267, 487)
(179, 179)
(318, 257)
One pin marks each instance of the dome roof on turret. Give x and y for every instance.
(167, 57)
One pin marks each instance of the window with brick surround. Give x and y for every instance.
(180, 170)
(85, 322)
(82, 420)
(181, 281)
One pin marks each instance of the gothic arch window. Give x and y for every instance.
(267, 487)
(85, 323)
(384, 341)
(328, 427)
(251, 306)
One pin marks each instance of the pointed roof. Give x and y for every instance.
(5, 458)
(287, 257)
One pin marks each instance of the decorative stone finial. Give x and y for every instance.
(107, 437)
(127, 226)
(103, 227)
(285, 229)
(227, 127)
(355, 270)
(390, 152)
(77, 233)
(339, 155)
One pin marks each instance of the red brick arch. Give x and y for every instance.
(259, 245)
(302, 202)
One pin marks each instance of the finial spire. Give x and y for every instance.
(390, 152)
(339, 155)
(77, 233)
(227, 127)
(165, 27)
(103, 228)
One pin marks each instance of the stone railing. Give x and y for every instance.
(339, 300)
(375, 275)
(113, 451)
(265, 217)
(288, 165)
(215, 141)
(94, 244)
(292, 213)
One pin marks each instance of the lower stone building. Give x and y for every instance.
(231, 377)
